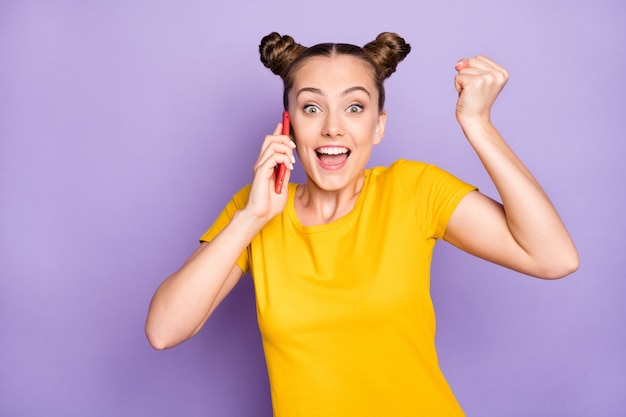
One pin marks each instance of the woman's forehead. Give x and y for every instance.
(333, 70)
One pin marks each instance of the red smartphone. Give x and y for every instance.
(281, 169)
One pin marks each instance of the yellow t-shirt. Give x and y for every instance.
(344, 308)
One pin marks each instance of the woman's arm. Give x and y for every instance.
(186, 299)
(525, 232)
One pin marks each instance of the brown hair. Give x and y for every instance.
(283, 56)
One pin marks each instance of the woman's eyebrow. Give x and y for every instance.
(344, 93)
(356, 88)
(310, 90)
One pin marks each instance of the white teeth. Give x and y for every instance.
(332, 150)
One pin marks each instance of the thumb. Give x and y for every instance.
(278, 129)
(461, 64)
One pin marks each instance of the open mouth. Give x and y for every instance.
(332, 155)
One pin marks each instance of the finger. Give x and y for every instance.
(279, 130)
(489, 61)
(466, 76)
(461, 64)
(494, 65)
(470, 71)
(473, 66)
(478, 63)
(277, 153)
(487, 64)
(460, 82)
(276, 138)
(285, 188)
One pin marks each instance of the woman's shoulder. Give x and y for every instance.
(402, 168)
(409, 174)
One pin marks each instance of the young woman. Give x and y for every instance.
(341, 263)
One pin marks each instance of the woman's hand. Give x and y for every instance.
(479, 81)
(264, 203)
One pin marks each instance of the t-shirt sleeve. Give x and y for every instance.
(437, 194)
(237, 203)
(445, 191)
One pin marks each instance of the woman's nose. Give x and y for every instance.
(332, 125)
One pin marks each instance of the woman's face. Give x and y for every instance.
(333, 105)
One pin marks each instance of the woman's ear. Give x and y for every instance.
(380, 127)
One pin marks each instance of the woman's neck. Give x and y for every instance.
(316, 206)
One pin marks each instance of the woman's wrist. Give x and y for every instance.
(249, 221)
(474, 126)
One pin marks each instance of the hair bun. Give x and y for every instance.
(386, 52)
(277, 52)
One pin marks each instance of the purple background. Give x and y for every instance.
(125, 126)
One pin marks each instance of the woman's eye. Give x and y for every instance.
(311, 109)
(355, 108)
